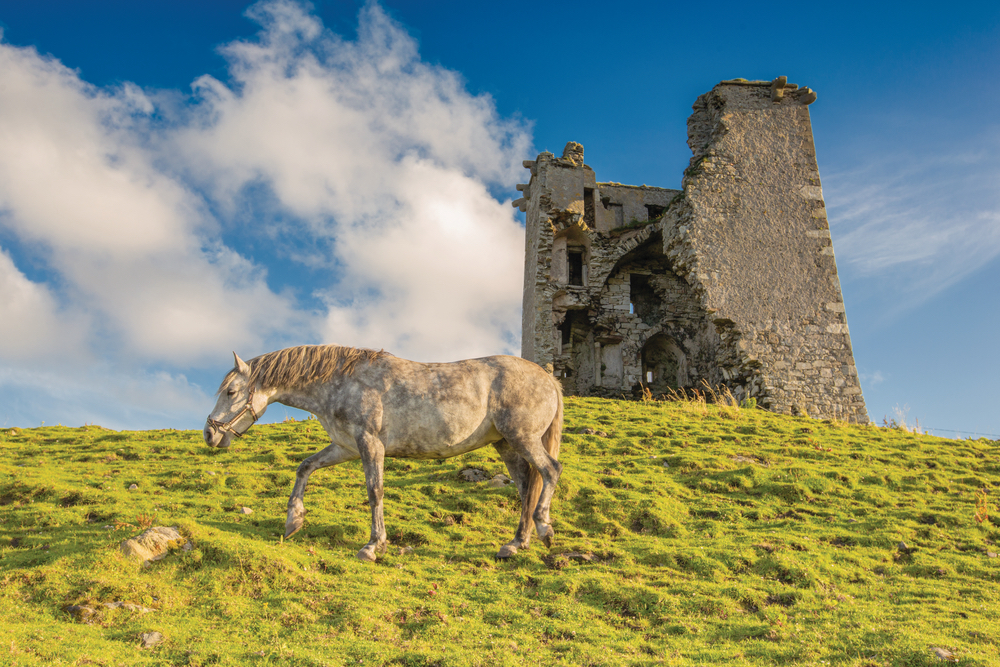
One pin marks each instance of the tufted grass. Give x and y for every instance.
(718, 536)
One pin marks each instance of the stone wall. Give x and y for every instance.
(731, 280)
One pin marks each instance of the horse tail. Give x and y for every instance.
(551, 440)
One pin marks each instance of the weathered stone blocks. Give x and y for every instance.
(731, 280)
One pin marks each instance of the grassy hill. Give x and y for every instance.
(685, 534)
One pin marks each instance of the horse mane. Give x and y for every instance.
(304, 364)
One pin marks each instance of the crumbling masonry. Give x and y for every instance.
(731, 280)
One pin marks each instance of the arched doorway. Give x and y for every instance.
(664, 365)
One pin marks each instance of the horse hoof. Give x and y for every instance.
(292, 526)
(371, 551)
(506, 551)
(545, 533)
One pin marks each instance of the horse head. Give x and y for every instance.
(238, 407)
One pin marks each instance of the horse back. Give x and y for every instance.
(445, 409)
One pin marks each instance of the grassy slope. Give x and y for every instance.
(739, 538)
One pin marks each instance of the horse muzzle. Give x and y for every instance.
(215, 437)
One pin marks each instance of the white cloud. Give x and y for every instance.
(871, 379)
(131, 206)
(126, 240)
(388, 156)
(32, 326)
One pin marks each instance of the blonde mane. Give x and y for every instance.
(304, 364)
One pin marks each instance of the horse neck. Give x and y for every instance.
(304, 398)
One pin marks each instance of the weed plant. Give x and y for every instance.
(686, 534)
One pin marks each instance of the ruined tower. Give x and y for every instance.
(730, 280)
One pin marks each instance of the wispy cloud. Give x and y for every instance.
(920, 226)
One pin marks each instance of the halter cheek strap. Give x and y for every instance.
(228, 426)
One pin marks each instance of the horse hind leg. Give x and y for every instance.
(519, 472)
(542, 481)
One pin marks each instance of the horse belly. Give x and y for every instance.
(427, 442)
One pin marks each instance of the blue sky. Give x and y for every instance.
(182, 179)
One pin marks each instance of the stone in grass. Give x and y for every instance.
(498, 481)
(474, 475)
(154, 543)
(246, 510)
(133, 487)
(943, 654)
(150, 639)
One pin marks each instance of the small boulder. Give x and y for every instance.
(154, 543)
(133, 487)
(150, 639)
(943, 654)
(81, 612)
(246, 510)
(131, 606)
(498, 481)
(474, 475)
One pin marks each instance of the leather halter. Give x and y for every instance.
(228, 426)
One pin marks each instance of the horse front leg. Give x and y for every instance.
(331, 455)
(373, 458)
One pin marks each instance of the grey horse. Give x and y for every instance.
(373, 405)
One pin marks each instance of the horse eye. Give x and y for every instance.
(231, 393)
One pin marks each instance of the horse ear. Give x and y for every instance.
(241, 365)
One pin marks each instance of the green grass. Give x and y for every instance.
(719, 536)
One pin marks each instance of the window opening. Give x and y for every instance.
(564, 329)
(645, 304)
(649, 377)
(575, 261)
(588, 207)
(654, 211)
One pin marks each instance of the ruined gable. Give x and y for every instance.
(731, 280)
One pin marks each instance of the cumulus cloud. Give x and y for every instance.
(365, 170)
(388, 157)
(126, 240)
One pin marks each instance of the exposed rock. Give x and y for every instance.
(584, 557)
(81, 612)
(131, 606)
(154, 544)
(150, 639)
(943, 654)
(474, 475)
(133, 487)
(246, 510)
(499, 481)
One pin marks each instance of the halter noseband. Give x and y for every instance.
(228, 426)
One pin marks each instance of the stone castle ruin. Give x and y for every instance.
(730, 280)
